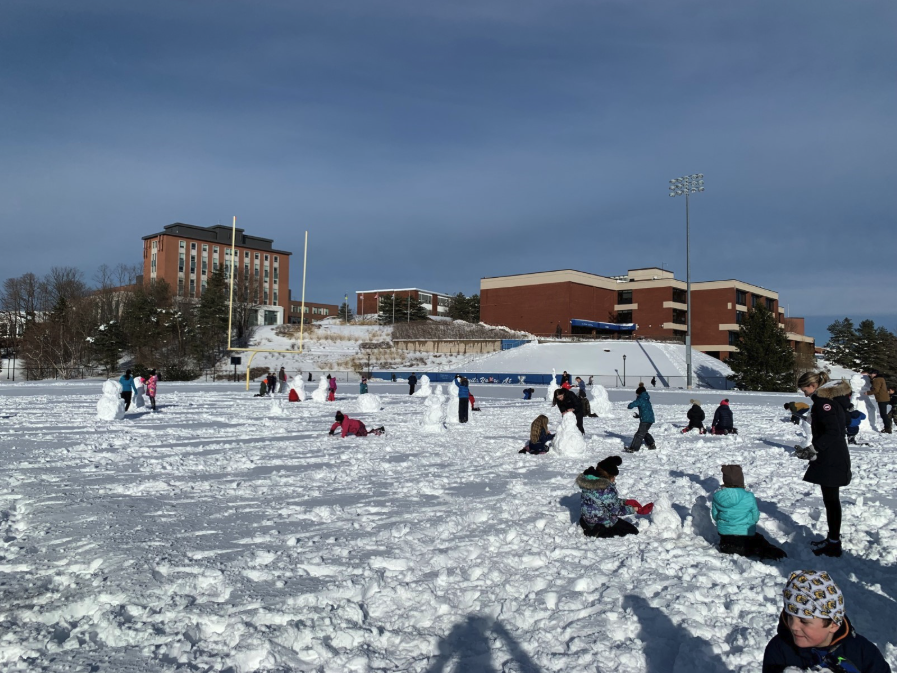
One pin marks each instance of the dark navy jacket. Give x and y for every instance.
(847, 644)
(722, 419)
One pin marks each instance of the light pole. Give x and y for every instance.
(624, 370)
(687, 184)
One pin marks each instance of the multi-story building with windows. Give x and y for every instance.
(647, 302)
(185, 256)
(436, 303)
(313, 312)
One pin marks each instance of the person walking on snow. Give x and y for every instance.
(331, 384)
(695, 418)
(363, 387)
(151, 384)
(829, 456)
(880, 391)
(412, 381)
(463, 397)
(127, 388)
(653, 382)
(645, 414)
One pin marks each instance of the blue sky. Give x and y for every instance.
(432, 143)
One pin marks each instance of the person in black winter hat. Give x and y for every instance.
(695, 418)
(601, 508)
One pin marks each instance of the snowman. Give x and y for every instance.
(297, 389)
(434, 412)
(600, 401)
(569, 441)
(859, 384)
(139, 389)
(451, 406)
(552, 387)
(321, 392)
(424, 390)
(111, 406)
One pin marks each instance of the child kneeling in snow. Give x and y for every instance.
(539, 437)
(695, 418)
(736, 515)
(601, 506)
(814, 632)
(351, 426)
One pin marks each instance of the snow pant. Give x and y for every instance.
(883, 411)
(619, 529)
(362, 431)
(832, 501)
(283, 387)
(642, 435)
(126, 396)
(750, 545)
(694, 425)
(724, 431)
(463, 406)
(152, 399)
(411, 389)
(586, 407)
(579, 417)
(799, 416)
(331, 396)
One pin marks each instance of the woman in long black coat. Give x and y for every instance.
(830, 459)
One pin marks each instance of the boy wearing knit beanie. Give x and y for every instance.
(814, 632)
(736, 515)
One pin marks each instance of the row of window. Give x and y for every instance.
(313, 309)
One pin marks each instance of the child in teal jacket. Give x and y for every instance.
(736, 515)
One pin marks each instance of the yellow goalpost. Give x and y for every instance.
(230, 314)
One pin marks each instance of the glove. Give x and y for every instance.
(635, 415)
(645, 510)
(331, 432)
(805, 453)
(633, 503)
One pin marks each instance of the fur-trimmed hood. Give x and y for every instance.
(588, 483)
(833, 389)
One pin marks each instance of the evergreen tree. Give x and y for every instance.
(473, 308)
(842, 343)
(869, 348)
(345, 313)
(107, 345)
(210, 342)
(459, 308)
(764, 360)
(400, 307)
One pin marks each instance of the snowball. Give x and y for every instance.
(369, 402)
(569, 441)
(434, 412)
(551, 386)
(322, 391)
(111, 406)
(600, 402)
(424, 390)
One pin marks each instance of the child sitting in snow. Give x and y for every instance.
(539, 437)
(351, 426)
(814, 632)
(263, 388)
(695, 418)
(601, 506)
(722, 420)
(736, 515)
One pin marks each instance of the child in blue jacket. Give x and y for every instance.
(600, 505)
(736, 515)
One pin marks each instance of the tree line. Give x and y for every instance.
(394, 310)
(59, 324)
(862, 347)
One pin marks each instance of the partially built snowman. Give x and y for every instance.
(552, 386)
(139, 388)
(859, 385)
(424, 390)
(369, 402)
(298, 385)
(111, 406)
(320, 393)
(434, 412)
(600, 402)
(568, 440)
(451, 405)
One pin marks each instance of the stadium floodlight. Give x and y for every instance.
(687, 185)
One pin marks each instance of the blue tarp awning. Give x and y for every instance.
(608, 326)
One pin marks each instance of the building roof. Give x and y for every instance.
(404, 289)
(218, 233)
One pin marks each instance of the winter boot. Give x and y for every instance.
(652, 447)
(830, 548)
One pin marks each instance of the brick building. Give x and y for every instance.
(652, 301)
(186, 255)
(436, 303)
(313, 311)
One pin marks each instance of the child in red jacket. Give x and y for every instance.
(351, 426)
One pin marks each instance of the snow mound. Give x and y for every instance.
(111, 406)
(424, 390)
(434, 412)
(665, 521)
(276, 407)
(600, 402)
(568, 441)
(369, 403)
(319, 394)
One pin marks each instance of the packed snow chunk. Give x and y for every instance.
(140, 387)
(298, 385)
(369, 402)
(320, 393)
(111, 406)
(569, 441)
(859, 385)
(451, 405)
(600, 401)
(665, 521)
(424, 390)
(552, 386)
(434, 412)
(276, 407)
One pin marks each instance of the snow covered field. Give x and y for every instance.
(227, 533)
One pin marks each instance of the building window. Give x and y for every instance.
(192, 287)
(275, 274)
(193, 246)
(754, 300)
(425, 298)
(192, 265)
(154, 244)
(183, 245)
(266, 274)
(215, 250)
(266, 295)
(771, 304)
(214, 264)
(275, 259)
(266, 258)
(624, 296)
(306, 309)
(205, 249)
(205, 266)
(180, 287)
(739, 317)
(256, 257)
(624, 317)
(326, 311)
(275, 296)
(733, 338)
(741, 297)
(680, 317)
(181, 263)
(202, 288)
(246, 255)
(256, 272)
(680, 296)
